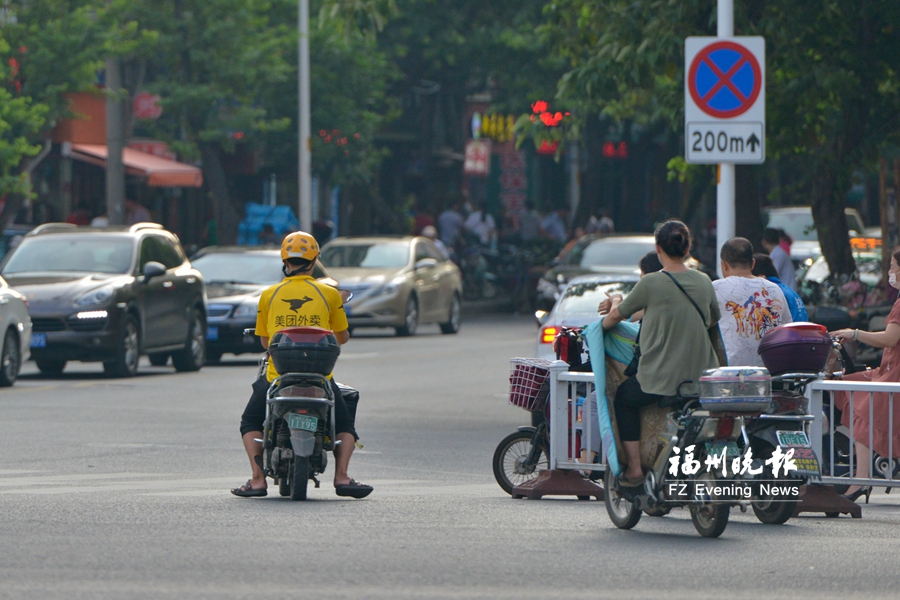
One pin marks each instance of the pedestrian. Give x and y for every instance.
(554, 225)
(771, 242)
(764, 267)
(450, 223)
(482, 225)
(875, 412)
(431, 233)
(529, 222)
(750, 306)
(80, 216)
(136, 213)
(100, 221)
(602, 223)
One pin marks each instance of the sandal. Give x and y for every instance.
(248, 491)
(354, 489)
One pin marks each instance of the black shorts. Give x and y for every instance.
(255, 413)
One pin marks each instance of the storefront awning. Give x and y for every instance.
(158, 171)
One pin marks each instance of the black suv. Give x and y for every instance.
(109, 295)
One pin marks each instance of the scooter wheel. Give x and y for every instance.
(622, 512)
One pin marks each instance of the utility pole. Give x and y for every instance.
(115, 143)
(725, 180)
(304, 175)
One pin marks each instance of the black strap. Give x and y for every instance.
(700, 312)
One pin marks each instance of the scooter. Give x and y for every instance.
(691, 435)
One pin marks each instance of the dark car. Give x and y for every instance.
(109, 295)
(235, 277)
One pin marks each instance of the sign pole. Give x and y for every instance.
(725, 184)
(304, 179)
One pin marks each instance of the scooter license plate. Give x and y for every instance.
(804, 457)
(731, 449)
(38, 340)
(303, 422)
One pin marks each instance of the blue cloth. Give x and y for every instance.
(795, 304)
(619, 344)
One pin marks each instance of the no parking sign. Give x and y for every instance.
(725, 100)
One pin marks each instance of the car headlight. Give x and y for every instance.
(96, 297)
(247, 309)
(392, 287)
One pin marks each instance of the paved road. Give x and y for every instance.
(118, 489)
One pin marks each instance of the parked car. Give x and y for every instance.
(16, 332)
(109, 295)
(797, 222)
(597, 254)
(577, 307)
(398, 282)
(235, 277)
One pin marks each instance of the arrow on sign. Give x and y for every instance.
(753, 142)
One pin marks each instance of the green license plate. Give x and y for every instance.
(303, 422)
(792, 439)
(731, 449)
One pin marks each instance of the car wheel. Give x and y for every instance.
(128, 352)
(410, 319)
(10, 359)
(193, 355)
(454, 318)
(159, 359)
(49, 366)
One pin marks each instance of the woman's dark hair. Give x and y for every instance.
(674, 238)
(896, 254)
(650, 263)
(764, 266)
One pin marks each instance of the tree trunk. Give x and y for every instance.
(227, 215)
(831, 224)
(748, 206)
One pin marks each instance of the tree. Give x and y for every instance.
(832, 88)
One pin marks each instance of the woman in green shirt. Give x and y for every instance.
(674, 342)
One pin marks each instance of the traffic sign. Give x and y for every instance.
(725, 106)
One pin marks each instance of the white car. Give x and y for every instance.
(16, 327)
(577, 307)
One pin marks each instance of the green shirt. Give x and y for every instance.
(674, 343)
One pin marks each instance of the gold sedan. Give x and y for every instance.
(398, 282)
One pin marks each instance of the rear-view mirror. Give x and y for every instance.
(153, 269)
(426, 263)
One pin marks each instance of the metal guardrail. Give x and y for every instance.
(826, 425)
(567, 425)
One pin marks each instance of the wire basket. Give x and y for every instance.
(529, 383)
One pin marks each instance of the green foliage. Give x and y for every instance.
(20, 121)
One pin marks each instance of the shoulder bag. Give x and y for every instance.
(714, 333)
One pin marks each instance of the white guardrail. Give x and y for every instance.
(570, 428)
(570, 420)
(840, 459)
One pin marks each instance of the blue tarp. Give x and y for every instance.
(619, 344)
(281, 218)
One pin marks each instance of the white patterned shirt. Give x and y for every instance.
(750, 307)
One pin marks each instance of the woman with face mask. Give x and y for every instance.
(889, 371)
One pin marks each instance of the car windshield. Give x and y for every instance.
(798, 225)
(608, 252)
(585, 297)
(76, 253)
(390, 255)
(239, 267)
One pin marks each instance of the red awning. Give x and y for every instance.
(159, 172)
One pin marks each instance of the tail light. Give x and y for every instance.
(548, 334)
(725, 428)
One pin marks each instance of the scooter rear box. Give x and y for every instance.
(736, 389)
(795, 348)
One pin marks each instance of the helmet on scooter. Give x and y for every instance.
(299, 245)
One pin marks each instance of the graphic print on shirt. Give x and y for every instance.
(757, 315)
(297, 304)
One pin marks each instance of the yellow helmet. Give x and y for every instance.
(299, 245)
